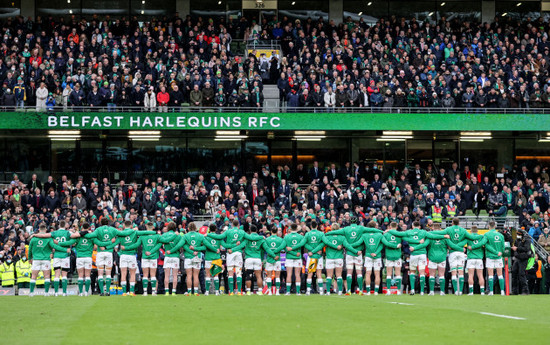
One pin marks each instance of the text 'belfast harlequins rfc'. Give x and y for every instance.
(154, 121)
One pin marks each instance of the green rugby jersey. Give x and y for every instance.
(151, 244)
(373, 245)
(172, 243)
(391, 242)
(212, 242)
(104, 236)
(277, 245)
(61, 236)
(232, 237)
(314, 238)
(41, 248)
(477, 246)
(332, 242)
(494, 245)
(195, 240)
(354, 234)
(295, 241)
(129, 239)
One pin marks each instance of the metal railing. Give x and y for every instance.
(483, 222)
(187, 108)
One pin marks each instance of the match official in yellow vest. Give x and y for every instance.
(23, 271)
(7, 271)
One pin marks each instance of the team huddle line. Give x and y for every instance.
(354, 247)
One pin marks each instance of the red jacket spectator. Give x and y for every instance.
(163, 98)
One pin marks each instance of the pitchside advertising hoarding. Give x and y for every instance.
(275, 121)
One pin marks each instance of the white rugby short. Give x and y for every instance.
(194, 263)
(273, 266)
(128, 261)
(293, 263)
(456, 260)
(334, 263)
(104, 259)
(62, 263)
(320, 263)
(372, 263)
(85, 263)
(418, 261)
(41, 265)
(149, 263)
(394, 263)
(435, 265)
(234, 259)
(494, 263)
(171, 262)
(253, 264)
(474, 264)
(351, 261)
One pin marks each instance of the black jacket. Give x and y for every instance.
(523, 251)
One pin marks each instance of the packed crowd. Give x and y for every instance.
(275, 199)
(163, 64)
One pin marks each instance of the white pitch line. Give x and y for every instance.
(504, 316)
(400, 303)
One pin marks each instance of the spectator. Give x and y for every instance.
(150, 100)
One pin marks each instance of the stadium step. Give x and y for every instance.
(271, 98)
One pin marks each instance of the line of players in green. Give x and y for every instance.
(363, 249)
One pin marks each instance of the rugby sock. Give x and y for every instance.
(501, 283)
(329, 284)
(470, 289)
(360, 282)
(412, 278)
(154, 284)
(55, 284)
(491, 284)
(189, 290)
(298, 289)
(442, 284)
(368, 289)
(145, 283)
(460, 283)
(422, 283)
(288, 285)
(348, 282)
(432, 284)
(455, 284)
(231, 285)
(278, 283)
(124, 288)
(398, 281)
(108, 285)
(388, 283)
(320, 285)
(376, 288)
(340, 283)
(132, 287)
(64, 284)
(482, 289)
(80, 285)
(100, 284)
(87, 284)
(46, 285)
(308, 284)
(239, 283)
(217, 283)
(33, 285)
(269, 283)
(196, 289)
(208, 281)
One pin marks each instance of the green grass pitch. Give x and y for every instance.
(275, 320)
